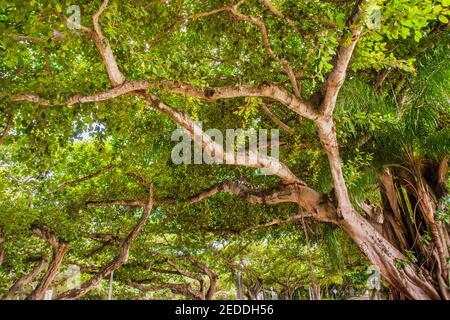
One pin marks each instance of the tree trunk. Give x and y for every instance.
(405, 276)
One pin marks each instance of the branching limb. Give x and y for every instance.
(252, 158)
(280, 195)
(183, 289)
(279, 221)
(121, 258)
(338, 74)
(7, 128)
(279, 14)
(26, 279)
(59, 250)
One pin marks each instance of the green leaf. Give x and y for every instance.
(443, 19)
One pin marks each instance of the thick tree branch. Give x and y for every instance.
(280, 195)
(120, 90)
(271, 91)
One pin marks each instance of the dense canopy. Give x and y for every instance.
(92, 203)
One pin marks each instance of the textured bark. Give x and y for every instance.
(268, 163)
(26, 279)
(274, 119)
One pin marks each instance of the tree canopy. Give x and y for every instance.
(91, 93)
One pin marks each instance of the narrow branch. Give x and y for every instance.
(318, 205)
(139, 179)
(86, 178)
(104, 237)
(279, 195)
(183, 289)
(266, 43)
(337, 76)
(212, 276)
(185, 273)
(7, 128)
(279, 14)
(274, 119)
(47, 234)
(271, 91)
(115, 75)
(252, 158)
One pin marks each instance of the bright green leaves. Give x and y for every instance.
(248, 111)
(396, 22)
(354, 166)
